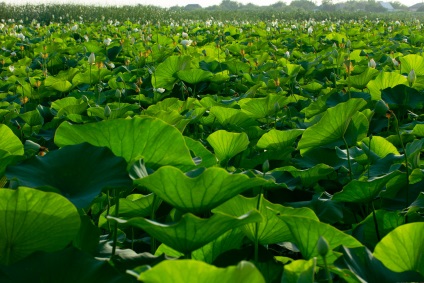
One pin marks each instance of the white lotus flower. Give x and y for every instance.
(91, 59)
(12, 68)
(184, 35)
(186, 42)
(20, 36)
(395, 62)
(372, 64)
(107, 41)
(287, 54)
(310, 30)
(74, 28)
(160, 90)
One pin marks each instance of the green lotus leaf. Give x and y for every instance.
(366, 232)
(33, 220)
(309, 177)
(299, 271)
(418, 130)
(385, 80)
(206, 157)
(152, 139)
(134, 205)
(365, 267)
(9, 142)
(338, 122)
(266, 106)
(32, 118)
(300, 226)
(194, 76)
(271, 230)
(230, 117)
(226, 145)
(402, 96)
(190, 232)
(380, 146)
(61, 85)
(232, 239)
(164, 75)
(363, 191)
(69, 265)
(276, 139)
(192, 271)
(402, 249)
(412, 61)
(198, 194)
(77, 171)
(360, 81)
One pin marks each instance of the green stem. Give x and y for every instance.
(258, 207)
(330, 279)
(348, 158)
(152, 217)
(108, 209)
(405, 155)
(375, 222)
(115, 228)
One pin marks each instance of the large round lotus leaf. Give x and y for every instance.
(305, 233)
(157, 142)
(412, 62)
(226, 144)
(165, 74)
(193, 271)
(194, 76)
(272, 229)
(338, 122)
(402, 249)
(385, 80)
(199, 193)
(190, 232)
(80, 172)
(32, 220)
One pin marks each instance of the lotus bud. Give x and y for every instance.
(331, 60)
(107, 41)
(323, 246)
(265, 166)
(395, 62)
(287, 54)
(108, 111)
(91, 58)
(412, 77)
(118, 93)
(335, 53)
(372, 64)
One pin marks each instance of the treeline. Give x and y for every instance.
(297, 10)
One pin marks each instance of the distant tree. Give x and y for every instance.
(327, 5)
(303, 4)
(399, 6)
(229, 5)
(278, 5)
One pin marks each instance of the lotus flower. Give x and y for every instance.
(372, 64)
(91, 58)
(412, 77)
(107, 41)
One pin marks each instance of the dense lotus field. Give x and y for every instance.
(208, 151)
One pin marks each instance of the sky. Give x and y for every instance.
(169, 3)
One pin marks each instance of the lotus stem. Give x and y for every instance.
(152, 217)
(405, 155)
(348, 158)
(375, 221)
(115, 228)
(258, 207)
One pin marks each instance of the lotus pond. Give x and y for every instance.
(212, 151)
